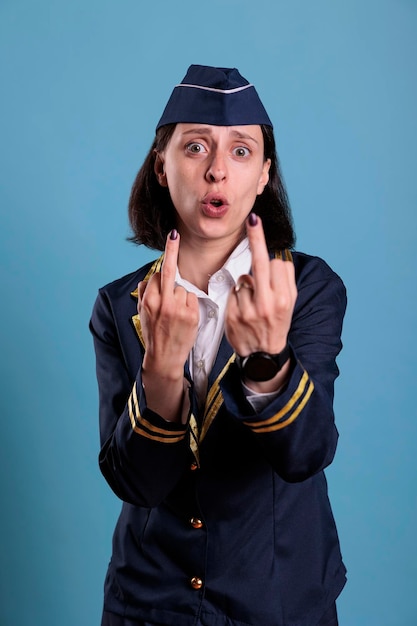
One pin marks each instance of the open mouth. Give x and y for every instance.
(215, 205)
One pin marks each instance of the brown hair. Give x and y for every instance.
(152, 214)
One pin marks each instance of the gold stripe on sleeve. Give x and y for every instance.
(289, 412)
(293, 416)
(143, 427)
(287, 408)
(155, 429)
(147, 435)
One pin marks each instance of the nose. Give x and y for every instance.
(216, 171)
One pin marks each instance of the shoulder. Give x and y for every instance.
(309, 268)
(126, 284)
(119, 297)
(315, 278)
(313, 267)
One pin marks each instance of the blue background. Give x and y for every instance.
(83, 85)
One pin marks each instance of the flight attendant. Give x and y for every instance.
(216, 366)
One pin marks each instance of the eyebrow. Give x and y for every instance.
(203, 130)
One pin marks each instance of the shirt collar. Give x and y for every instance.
(238, 263)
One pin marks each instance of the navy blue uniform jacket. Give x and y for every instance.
(225, 520)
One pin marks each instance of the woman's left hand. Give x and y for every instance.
(260, 308)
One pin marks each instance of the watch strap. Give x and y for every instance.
(262, 366)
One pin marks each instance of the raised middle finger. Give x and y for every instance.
(169, 265)
(260, 256)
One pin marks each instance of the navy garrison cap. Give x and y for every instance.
(214, 95)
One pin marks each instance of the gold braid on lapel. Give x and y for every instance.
(154, 269)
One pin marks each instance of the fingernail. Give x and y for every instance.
(173, 234)
(253, 219)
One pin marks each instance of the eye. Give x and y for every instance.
(195, 147)
(241, 151)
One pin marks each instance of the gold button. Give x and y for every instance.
(193, 466)
(196, 583)
(196, 523)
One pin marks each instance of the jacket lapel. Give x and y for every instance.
(155, 267)
(214, 400)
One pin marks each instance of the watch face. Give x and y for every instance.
(260, 367)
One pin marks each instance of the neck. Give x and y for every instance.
(197, 261)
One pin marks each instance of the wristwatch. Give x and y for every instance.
(262, 366)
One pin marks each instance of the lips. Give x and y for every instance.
(214, 204)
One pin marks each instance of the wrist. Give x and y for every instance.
(261, 367)
(274, 385)
(163, 372)
(166, 397)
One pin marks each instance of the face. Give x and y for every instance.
(213, 174)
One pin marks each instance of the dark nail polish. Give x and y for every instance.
(253, 219)
(174, 234)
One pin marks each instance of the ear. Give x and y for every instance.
(160, 170)
(264, 178)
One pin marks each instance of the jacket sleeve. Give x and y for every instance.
(297, 430)
(142, 455)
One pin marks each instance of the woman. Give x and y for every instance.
(216, 367)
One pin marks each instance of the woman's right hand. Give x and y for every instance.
(169, 318)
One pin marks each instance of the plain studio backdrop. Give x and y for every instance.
(83, 85)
